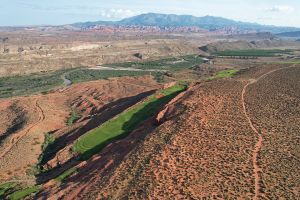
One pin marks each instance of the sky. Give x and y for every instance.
(58, 12)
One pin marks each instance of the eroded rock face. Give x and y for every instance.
(60, 158)
(170, 109)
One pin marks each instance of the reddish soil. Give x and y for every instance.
(257, 170)
(48, 114)
(224, 139)
(16, 138)
(258, 145)
(184, 157)
(273, 106)
(235, 138)
(95, 170)
(13, 117)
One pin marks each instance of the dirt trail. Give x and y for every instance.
(257, 170)
(258, 145)
(17, 137)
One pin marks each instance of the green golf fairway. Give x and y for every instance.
(120, 126)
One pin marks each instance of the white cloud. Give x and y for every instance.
(117, 13)
(281, 8)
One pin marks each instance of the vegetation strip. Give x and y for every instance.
(44, 82)
(7, 188)
(66, 174)
(21, 194)
(30, 84)
(224, 74)
(46, 147)
(254, 52)
(93, 141)
(90, 74)
(169, 64)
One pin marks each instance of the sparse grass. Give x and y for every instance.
(73, 118)
(120, 126)
(224, 74)
(66, 174)
(21, 194)
(254, 52)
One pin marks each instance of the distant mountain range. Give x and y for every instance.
(170, 20)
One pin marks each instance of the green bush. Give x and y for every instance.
(73, 118)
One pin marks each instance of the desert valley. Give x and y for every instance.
(147, 109)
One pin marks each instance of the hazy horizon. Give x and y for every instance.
(59, 12)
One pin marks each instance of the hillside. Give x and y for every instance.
(205, 144)
(225, 132)
(295, 34)
(169, 20)
(243, 45)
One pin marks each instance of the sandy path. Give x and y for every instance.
(256, 169)
(17, 137)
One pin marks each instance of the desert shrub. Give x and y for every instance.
(73, 118)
